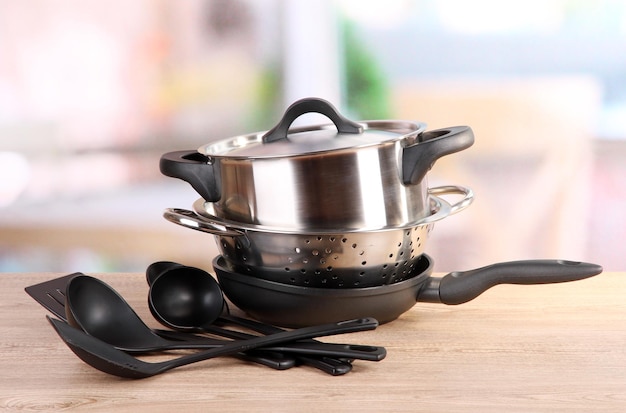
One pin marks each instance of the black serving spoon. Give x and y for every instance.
(108, 359)
(183, 298)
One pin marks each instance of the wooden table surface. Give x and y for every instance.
(548, 348)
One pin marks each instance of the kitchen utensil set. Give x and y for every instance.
(82, 300)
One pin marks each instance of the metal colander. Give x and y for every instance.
(342, 260)
(333, 259)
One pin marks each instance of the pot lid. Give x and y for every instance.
(342, 134)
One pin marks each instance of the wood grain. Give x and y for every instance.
(552, 348)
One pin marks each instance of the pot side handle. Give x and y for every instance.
(418, 158)
(310, 105)
(196, 169)
(463, 286)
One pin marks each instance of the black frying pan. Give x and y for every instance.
(297, 306)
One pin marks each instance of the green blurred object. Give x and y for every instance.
(268, 106)
(367, 91)
(365, 86)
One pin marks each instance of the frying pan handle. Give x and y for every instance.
(310, 105)
(189, 219)
(463, 286)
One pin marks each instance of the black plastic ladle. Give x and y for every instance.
(97, 309)
(108, 359)
(183, 298)
(190, 299)
(100, 311)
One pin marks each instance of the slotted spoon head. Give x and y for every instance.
(102, 356)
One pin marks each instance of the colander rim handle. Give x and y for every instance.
(443, 207)
(191, 220)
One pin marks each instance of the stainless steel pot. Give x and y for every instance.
(337, 258)
(351, 175)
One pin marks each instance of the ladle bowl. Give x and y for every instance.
(94, 307)
(187, 299)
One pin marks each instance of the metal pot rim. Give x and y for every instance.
(440, 209)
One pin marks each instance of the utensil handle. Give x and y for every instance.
(342, 327)
(312, 348)
(463, 286)
(329, 365)
(374, 353)
(310, 105)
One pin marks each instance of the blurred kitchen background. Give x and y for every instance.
(92, 92)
